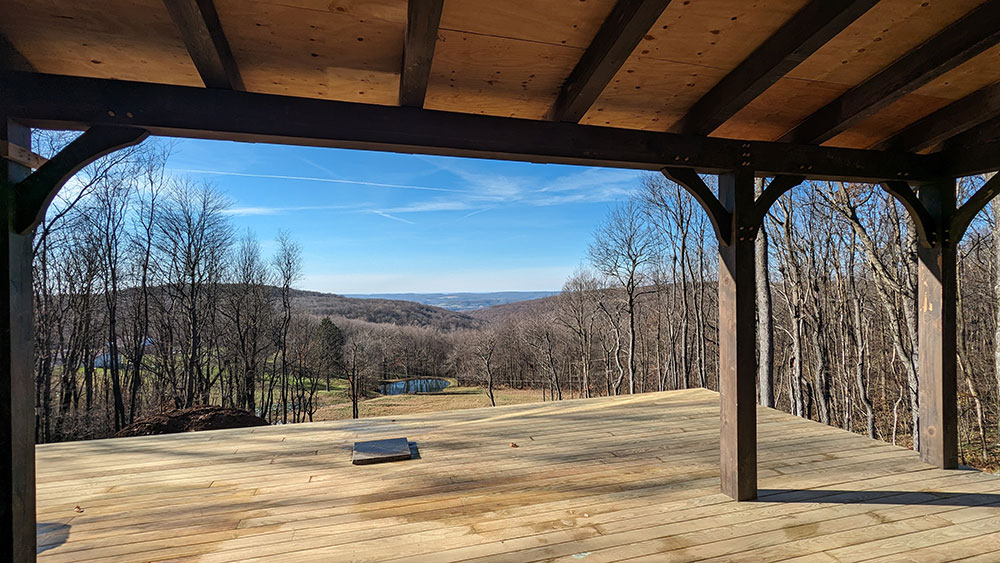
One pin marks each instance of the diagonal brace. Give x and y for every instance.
(722, 220)
(33, 194)
(964, 215)
(776, 188)
(925, 223)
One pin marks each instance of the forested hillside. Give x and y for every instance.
(389, 311)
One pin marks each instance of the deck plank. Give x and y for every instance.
(606, 479)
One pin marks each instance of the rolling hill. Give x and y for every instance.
(393, 311)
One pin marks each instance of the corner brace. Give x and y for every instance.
(33, 194)
(722, 220)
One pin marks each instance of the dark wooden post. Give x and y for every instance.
(17, 420)
(737, 327)
(936, 326)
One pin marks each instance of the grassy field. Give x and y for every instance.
(336, 404)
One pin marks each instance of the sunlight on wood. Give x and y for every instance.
(612, 478)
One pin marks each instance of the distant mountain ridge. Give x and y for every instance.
(460, 301)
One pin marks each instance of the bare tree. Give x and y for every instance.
(288, 266)
(623, 248)
(577, 312)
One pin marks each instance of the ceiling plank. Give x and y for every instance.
(39, 100)
(970, 35)
(808, 30)
(618, 36)
(422, 19)
(198, 22)
(11, 58)
(952, 120)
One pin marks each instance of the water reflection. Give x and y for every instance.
(418, 385)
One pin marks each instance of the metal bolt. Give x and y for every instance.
(111, 113)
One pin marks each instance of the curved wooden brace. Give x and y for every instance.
(722, 220)
(34, 193)
(778, 187)
(926, 225)
(963, 217)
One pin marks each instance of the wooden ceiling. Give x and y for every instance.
(839, 73)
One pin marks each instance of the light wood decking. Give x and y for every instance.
(592, 480)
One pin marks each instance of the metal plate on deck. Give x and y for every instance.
(381, 451)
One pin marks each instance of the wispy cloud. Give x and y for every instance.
(393, 217)
(578, 185)
(316, 179)
(430, 206)
(477, 212)
(482, 191)
(263, 210)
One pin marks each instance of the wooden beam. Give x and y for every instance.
(984, 133)
(422, 19)
(808, 30)
(198, 22)
(969, 36)
(17, 393)
(35, 193)
(182, 111)
(737, 345)
(970, 160)
(626, 25)
(936, 327)
(20, 155)
(948, 122)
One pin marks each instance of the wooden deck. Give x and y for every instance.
(593, 480)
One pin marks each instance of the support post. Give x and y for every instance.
(17, 434)
(936, 329)
(737, 327)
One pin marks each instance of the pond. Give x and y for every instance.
(416, 385)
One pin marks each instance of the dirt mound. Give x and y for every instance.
(191, 420)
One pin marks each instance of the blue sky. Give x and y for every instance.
(371, 222)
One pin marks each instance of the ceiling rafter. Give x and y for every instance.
(422, 20)
(623, 29)
(808, 30)
(198, 22)
(969, 36)
(952, 120)
(985, 132)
